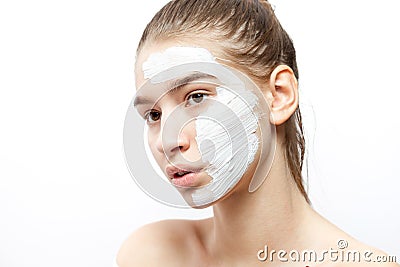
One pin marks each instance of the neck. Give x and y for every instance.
(273, 215)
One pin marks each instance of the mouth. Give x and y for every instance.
(180, 174)
(182, 177)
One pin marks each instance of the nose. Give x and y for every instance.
(172, 140)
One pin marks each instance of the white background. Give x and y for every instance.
(66, 79)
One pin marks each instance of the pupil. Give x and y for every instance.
(197, 98)
(155, 116)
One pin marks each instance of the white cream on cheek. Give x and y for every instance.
(226, 140)
(229, 149)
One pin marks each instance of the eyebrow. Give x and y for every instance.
(175, 85)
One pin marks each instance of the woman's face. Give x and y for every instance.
(180, 156)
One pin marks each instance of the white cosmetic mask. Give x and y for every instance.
(230, 127)
(174, 56)
(229, 148)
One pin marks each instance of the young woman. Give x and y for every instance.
(262, 214)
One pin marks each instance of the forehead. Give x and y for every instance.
(160, 67)
(157, 57)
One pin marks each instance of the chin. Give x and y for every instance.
(187, 196)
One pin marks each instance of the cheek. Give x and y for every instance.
(152, 145)
(188, 137)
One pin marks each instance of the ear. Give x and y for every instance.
(284, 94)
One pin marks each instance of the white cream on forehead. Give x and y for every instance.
(174, 56)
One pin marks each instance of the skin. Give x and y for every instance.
(276, 214)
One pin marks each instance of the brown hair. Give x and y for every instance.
(251, 36)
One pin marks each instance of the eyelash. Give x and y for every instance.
(147, 115)
(203, 95)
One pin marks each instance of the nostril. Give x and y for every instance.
(172, 144)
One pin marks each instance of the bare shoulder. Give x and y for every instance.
(155, 243)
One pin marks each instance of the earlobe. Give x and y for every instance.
(284, 94)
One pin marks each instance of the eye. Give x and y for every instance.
(152, 116)
(196, 98)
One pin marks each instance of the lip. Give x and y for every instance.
(187, 180)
